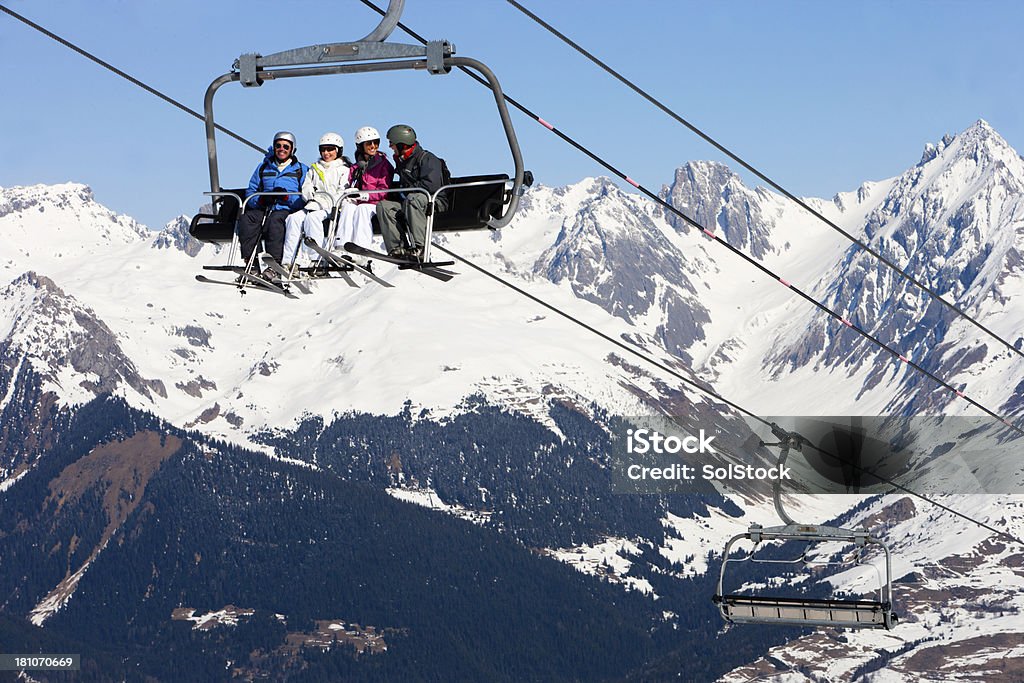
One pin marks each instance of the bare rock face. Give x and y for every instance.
(715, 197)
(611, 252)
(175, 235)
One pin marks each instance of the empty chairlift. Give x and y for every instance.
(753, 607)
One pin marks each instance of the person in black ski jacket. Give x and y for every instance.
(416, 167)
(264, 217)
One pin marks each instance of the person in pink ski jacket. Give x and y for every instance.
(371, 171)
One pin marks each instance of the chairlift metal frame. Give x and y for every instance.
(842, 613)
(370, 54)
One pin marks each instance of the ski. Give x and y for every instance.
(354, 248)
(270, 262)
(341, 263)
(428, 267)
(260, 281)
(348, 279)
(250, 280)
(431, 268)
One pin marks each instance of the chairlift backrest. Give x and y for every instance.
(471, 207)
(218, 227)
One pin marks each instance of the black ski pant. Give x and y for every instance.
(252, 226)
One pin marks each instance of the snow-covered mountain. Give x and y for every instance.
(94, 303)
(953, 221)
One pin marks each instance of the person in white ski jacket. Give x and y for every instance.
(324, 183)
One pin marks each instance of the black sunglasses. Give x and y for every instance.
(328, 148)
(282, 145)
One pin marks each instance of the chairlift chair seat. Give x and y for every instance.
(218, 227)
(470, 207)
(806, 611)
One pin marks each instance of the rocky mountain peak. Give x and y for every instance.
(63, 339)
(715, 197)
(615, 251)
(175, 235)
(950, 221)
(64, 196)
(980, 145)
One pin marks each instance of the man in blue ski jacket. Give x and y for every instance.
(280, 171)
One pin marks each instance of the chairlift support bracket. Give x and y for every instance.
(252, 68)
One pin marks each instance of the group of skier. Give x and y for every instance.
(309, 193)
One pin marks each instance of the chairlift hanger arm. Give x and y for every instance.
(366, 55)
(787, 441)
(387, 23)
(510, 135)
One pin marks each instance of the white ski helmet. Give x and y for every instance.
(285, 135)
(366, 133)
(332, 139)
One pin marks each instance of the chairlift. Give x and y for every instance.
(737, 608)
(474, 202)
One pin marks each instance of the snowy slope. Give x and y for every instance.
(232, 365)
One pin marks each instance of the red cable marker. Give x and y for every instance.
(784, 282)
(545, 123)
(633, 182)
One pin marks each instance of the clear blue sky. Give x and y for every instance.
(820, 95)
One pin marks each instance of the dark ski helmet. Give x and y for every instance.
(402, 134)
